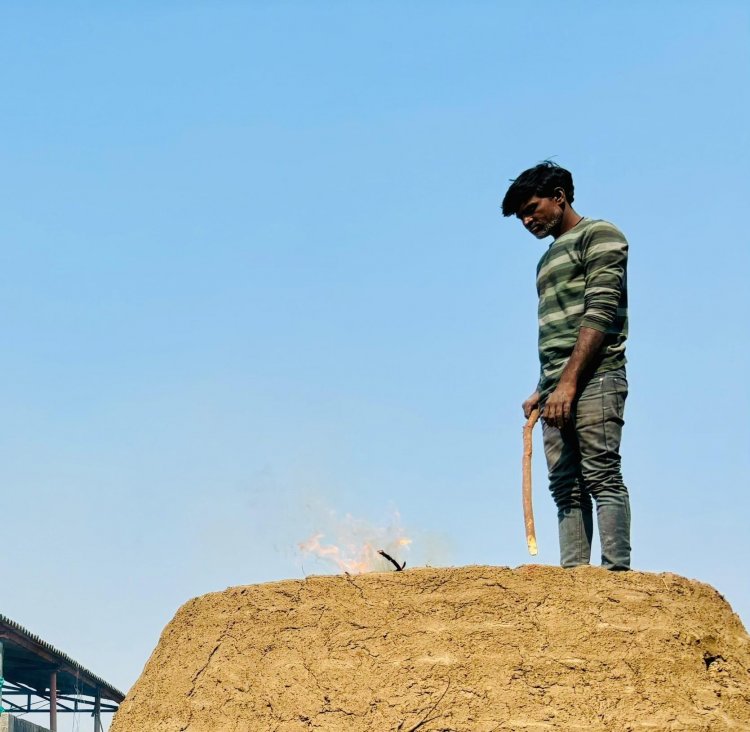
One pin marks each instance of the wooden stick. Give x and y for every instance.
(399, 567)
(528, 508)
(425, 719)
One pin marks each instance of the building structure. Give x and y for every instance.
(37, 678)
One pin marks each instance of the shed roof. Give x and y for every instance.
(29, 660)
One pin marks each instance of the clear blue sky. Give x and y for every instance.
(254, 271)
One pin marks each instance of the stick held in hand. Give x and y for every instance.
(528, 508)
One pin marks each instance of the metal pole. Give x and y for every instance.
(2, 681)
(53, 702)
(98, 711)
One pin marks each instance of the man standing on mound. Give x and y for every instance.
(583, 324)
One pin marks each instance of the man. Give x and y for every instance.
(581, 282)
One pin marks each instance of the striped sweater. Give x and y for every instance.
(581, 281)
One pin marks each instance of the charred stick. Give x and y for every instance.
(427, 719)
(398, 566)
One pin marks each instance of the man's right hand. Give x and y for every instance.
(530, 404)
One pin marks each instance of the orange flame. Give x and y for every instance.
(355, 554)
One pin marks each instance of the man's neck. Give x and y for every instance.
(570, 219)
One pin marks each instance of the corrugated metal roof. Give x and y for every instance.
(80, 672)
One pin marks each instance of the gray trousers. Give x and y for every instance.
(583, 460)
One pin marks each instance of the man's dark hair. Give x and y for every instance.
(541, 180)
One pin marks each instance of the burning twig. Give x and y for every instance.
(399, 567)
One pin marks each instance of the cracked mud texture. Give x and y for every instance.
(471, 649)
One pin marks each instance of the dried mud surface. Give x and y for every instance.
(471, 649)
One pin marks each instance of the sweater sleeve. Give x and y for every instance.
(605, 259)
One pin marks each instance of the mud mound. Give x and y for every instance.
(474, 649)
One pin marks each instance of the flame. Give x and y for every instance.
(356, 550)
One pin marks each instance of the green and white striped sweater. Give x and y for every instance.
(582, 281)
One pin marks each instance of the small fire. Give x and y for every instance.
(356, 549)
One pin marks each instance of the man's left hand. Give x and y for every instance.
(559, 406)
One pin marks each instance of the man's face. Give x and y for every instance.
(541, 216)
